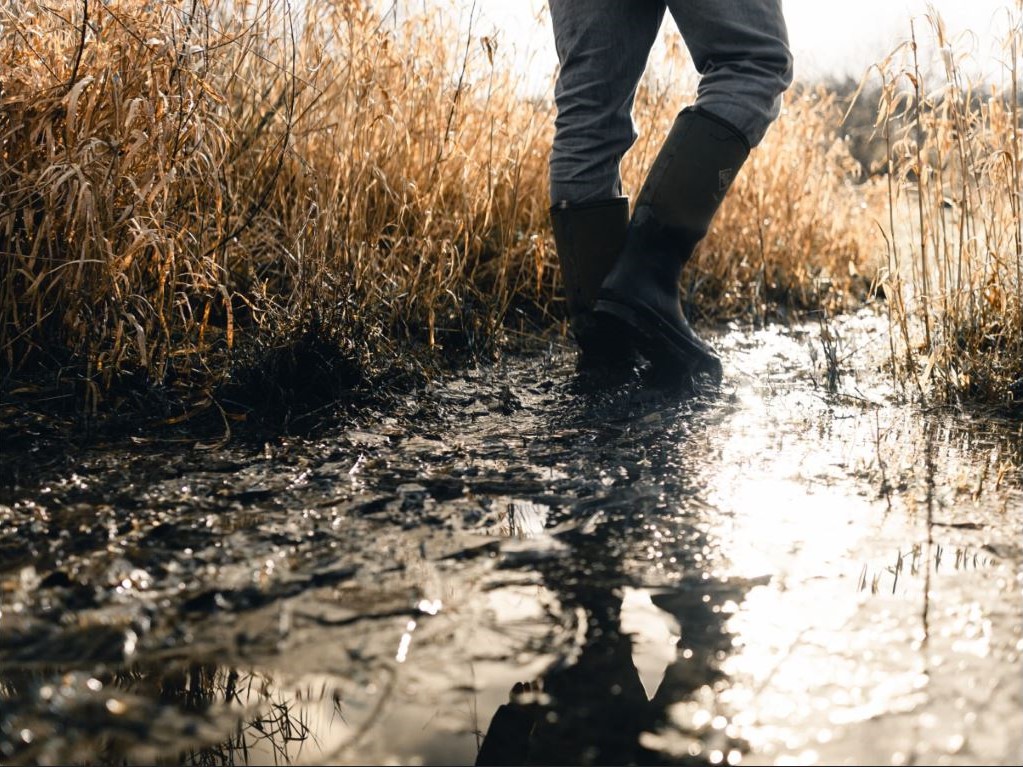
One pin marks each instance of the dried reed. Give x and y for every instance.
(954, 232)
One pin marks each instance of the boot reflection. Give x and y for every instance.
(595, 710)
(590, 712)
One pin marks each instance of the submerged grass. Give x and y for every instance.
(194, 194)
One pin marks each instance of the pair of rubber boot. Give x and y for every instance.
(621, 273)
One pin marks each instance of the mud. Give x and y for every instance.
(513, 567)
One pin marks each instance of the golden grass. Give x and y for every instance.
(954, 230)
(176, 176)
(182, 180)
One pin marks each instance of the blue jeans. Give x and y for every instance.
(739, 47)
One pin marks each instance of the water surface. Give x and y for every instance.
(509, 567)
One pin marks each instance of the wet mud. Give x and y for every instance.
(512, 567)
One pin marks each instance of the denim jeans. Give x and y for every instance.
(739, 47)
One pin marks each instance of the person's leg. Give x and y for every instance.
(602, 47)
(740, 48)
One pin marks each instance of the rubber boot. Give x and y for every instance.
(640, 296)
(589, 237)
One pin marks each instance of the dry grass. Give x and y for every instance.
(177, 178)
(954, 231)
(181, 181)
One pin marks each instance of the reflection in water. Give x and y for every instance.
(511, 570)
(151, 712)
(642, 567)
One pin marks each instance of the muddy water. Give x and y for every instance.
(512, 568)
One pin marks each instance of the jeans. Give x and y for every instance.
(739, 47)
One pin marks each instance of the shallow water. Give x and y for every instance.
(509, 568)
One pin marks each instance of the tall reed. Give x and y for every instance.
(954, 231)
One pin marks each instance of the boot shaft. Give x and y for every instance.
(683, 190)
(692, 173)
(687, 182)
(588, 237)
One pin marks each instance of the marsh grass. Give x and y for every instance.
(192, 713)
(954, 231)
(181, 178)
(197, 192)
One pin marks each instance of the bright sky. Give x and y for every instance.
(847, 37)
(827, 37)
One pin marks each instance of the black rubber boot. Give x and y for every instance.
(685, 187)
(589, 237)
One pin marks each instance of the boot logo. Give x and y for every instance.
(725, 177)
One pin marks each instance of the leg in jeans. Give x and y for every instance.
(602, 46)
(740, 48)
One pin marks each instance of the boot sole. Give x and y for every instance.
(657, 340)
